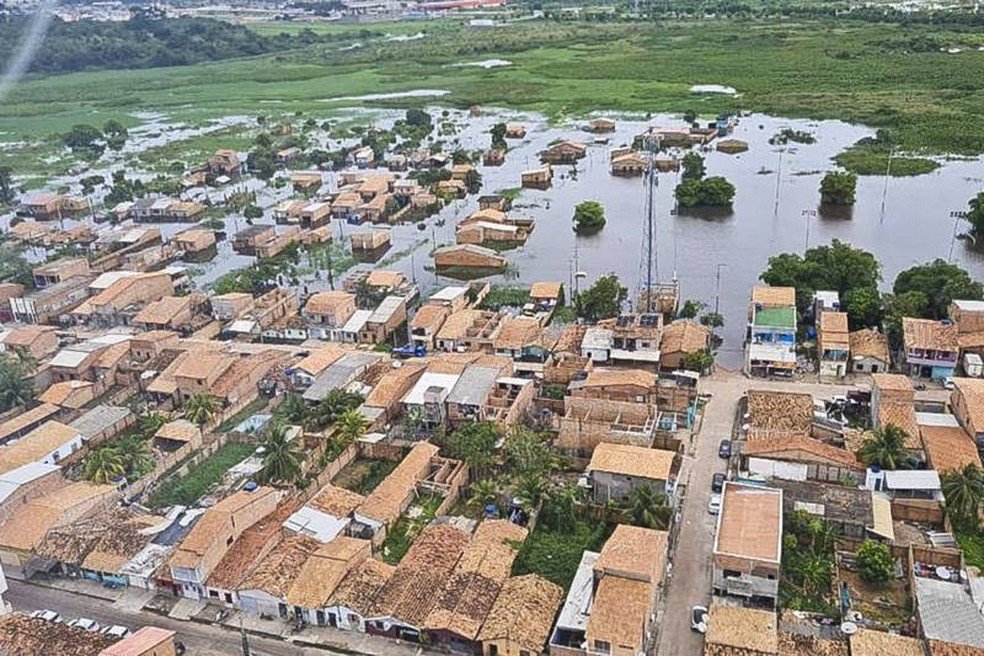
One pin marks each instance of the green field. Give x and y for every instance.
(881, 75)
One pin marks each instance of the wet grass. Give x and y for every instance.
(874, 160)
(187, 490)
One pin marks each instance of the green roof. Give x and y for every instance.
(776, 317)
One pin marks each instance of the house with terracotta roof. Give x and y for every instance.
(587, 422)
(425, 324)
(770, 345)
(145, 641)
(468, 330)
(184, 314)
(681, 338)
(210, 539)
(869, 351)
(401, 608)
(49, 444)
(617, 469)
(355, 596)
(948, 447)
(470, 591)
(931, 348)
(265, 588)
(738, 631)
(870, 642)
(32, 636)
(799, 458)
(521, 617)
(565, 152)
(611, 605)
(23, 423)
(326, 311)
(118, 303)
(321, 573)
(37, 342)
(228, 307)
(382, 324)
(892, 403)
(384, 402)
(748, 543)
(833, 343)
(72, 394)
(629, 385)
(967, 400)
(521, 339)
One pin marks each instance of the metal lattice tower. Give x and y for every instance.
(648, 263)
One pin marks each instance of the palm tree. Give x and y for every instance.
(104, 465)
(648, 508)
(16, 386)
(885, 447)
(530, 491)
(200, 409)
(483, 493)
(964, 491)
(281, 457)
(136, 455)
(350, 426)
(294, 409)
(151, 422)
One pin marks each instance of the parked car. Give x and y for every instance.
(714, 507)
(718, 483)
(948, 383)
(724, 449)
(698, 619)
(47, 615)
(92, 626)
(115, 631)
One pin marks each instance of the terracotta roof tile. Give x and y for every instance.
(523, 612)
(779, 414)
(773, 296)
(869, 343)
(750, 524)
(634, 461)
(949, 448)
(868, 642)
(358, 590)
(928, 334)
(683, 336)
(742, 628)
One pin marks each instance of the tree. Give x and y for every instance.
(885, 447)
(200, 409)
(975, 214)
(647, 507)
(16, 384)
(941, 283)
(897, 307)
(863, 306)
(7, 194)
(483, 493)
(838, 267)
(712, 320)
(498, 132)
(293, 409)
(529, 453)
(253, 212)
(136, 455)
(281, 457)
(84, 139)
(262, 161)
(964, 492)
(589, 217)
(14, 267)
(419, 118)
(691, 308)
(838, 188)
(709, 192)
(334, 405)
(875, 562)
(475, 445)
(690, 115)
(151, 422)
(700, 361)
(602, 300)
(351, 426)
(104, 465)
(693, 166)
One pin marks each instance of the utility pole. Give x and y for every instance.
(808, 214)
(956, 215)
(649, 264)
(717, 289)
(888, 173)
(775, 210)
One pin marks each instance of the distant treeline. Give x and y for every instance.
(143, 42)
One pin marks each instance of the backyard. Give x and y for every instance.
(188, 489)
(362, 475)
(400, 535)
(555, 554)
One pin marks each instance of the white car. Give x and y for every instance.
(698, 619)
(46, 615)
(714, 507)
(948, 383)
(115, 631)
(85, 623)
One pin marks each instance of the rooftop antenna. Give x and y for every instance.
(649, 268)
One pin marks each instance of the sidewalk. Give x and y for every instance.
(74, 586)
(354, 642)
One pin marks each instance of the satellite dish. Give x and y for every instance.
(849, 628)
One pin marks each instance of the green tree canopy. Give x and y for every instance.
(875, 562)
(838, 188)
(602, 300)
(885, 447)
(475, 445)
(589, 217)
(282, 458)
(6, 185)
(16, 384)
(715, 191)
(975, 214)
(693, 166)
(201, 409)
(964, 492)
(940, 283)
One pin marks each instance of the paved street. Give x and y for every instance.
(200, 639)
(690, 576)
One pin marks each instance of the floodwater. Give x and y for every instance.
(903, 221)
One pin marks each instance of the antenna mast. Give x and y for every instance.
(649, 268)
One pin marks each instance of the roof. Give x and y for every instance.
(942, 648)
(767, 296)
(742, 628)
(412, 591)
(179, 430)
(577, 604)
(902, 415)
(359, 588)
(326, 302)
(99, 419)
(948, 613)
(204, 533)
(204, 365)
(335, 501)
(471, 589)
(61, 393)
(798, 644)
(868, 642)
(972, 392)
(784, 448)
(750, 522)
(833, 329)
(618, 611)
(683, 336)
(247, 551)
(602, 377)
(384, 504)
(384, 278)
(163, 310)
(635, 461)
(324, 570)
(140, 642)
(429, 316)
(518, 332)
(949, 448)
(892, 382)
(474, 385)
(29, 523)
(545, 289)
(523, 612)
(318, 359)
(775, 414)
(928, 334)
(633, 552)
(277, 571)
(21, 635)
(393, 384)
(912, 479)
(20, 421)
(455, 325)
(36, 445)
(776, 317)
(869, 343)
(417, 394)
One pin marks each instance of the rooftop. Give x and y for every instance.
(779, 414)
(742, 628)
(635, 461)
(972, 391)
(523, 612)
(359, 588)
(24, 636)
(321, 573)
(684, 336)
(384, 504)
(869, 343)
(775, 317)
(868, 642)
(928, 334)
(949, 448)
(767, 296)
(635, 553)
(36, 445)
(750, 522)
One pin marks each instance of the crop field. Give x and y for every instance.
(882, 75)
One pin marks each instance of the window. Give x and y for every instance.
(493, 650)
(602, 646)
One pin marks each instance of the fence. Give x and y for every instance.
(169, 467)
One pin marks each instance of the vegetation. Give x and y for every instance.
(964, 492)
(14, 267)
(838, 188)
(875, 563)
(16, 384)
(282, 458)
(474, 443)
(700, 361)
(335, 404)
(693, 166)
(350, 426)
(187, 490)
(839, 267)
(400, 536)
(501, 296)
(125, 457)
(261, 276)
(201, 409)
(975, 210)
(648, 508)
(937, 284)
(785, 135)
(876, 156)
(709, 192)
(602, 300)
(7, 193)
(374, 474)
(589, 217)
(885, 447)
(807, 564)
